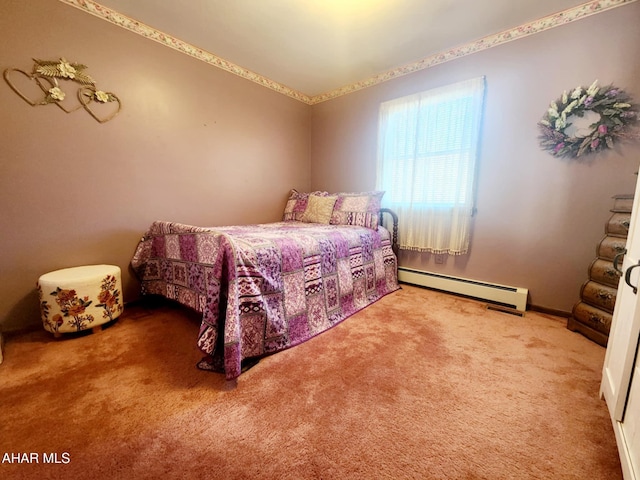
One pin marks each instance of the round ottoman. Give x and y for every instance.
(80, 298)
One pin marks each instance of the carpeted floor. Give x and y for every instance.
(421, 385)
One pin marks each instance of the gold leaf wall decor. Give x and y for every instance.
(44, 77)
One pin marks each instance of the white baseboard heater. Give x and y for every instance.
(513, 297)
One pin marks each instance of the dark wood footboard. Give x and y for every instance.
(394, 232)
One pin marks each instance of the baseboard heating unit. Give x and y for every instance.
(513, 297)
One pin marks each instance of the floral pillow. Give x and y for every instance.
(362, 209)
(297, 204)
(319, 209)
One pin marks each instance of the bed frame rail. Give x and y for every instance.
(394, 232)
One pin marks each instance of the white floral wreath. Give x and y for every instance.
(607, 113)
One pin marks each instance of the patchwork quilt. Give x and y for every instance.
(264, 288)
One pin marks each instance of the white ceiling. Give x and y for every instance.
(316, 46)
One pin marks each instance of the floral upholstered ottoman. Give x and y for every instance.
(80, 298)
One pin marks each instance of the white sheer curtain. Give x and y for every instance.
(427, 150)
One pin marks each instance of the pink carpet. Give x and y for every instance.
(421, 385)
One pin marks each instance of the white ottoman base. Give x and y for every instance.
(80, 298)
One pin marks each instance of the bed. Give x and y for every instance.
(263, 288)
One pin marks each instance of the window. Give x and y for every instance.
(427, 151)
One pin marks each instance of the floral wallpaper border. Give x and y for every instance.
(537, 26)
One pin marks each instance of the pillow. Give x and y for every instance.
(362, 209)
(297, 204)
(319, 209)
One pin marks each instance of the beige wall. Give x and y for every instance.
(198, 145)
(192, 144)
(539, 218)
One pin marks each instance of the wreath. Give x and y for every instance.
(587, 120)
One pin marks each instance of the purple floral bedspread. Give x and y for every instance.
(269, 286)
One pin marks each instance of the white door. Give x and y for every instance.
(630, 429)
(625, 327)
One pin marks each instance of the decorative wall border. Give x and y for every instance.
(484, 43)
(94, 8)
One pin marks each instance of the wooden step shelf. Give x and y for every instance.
(592, 315)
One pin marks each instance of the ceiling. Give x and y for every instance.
(317, 46)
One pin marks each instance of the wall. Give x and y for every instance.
(539, 218)
(192, 144)
(198, 145)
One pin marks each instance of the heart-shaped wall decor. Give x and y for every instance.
(66, 105)
(28, 87)
(57, 80)
(102, 111)
(70, 103)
